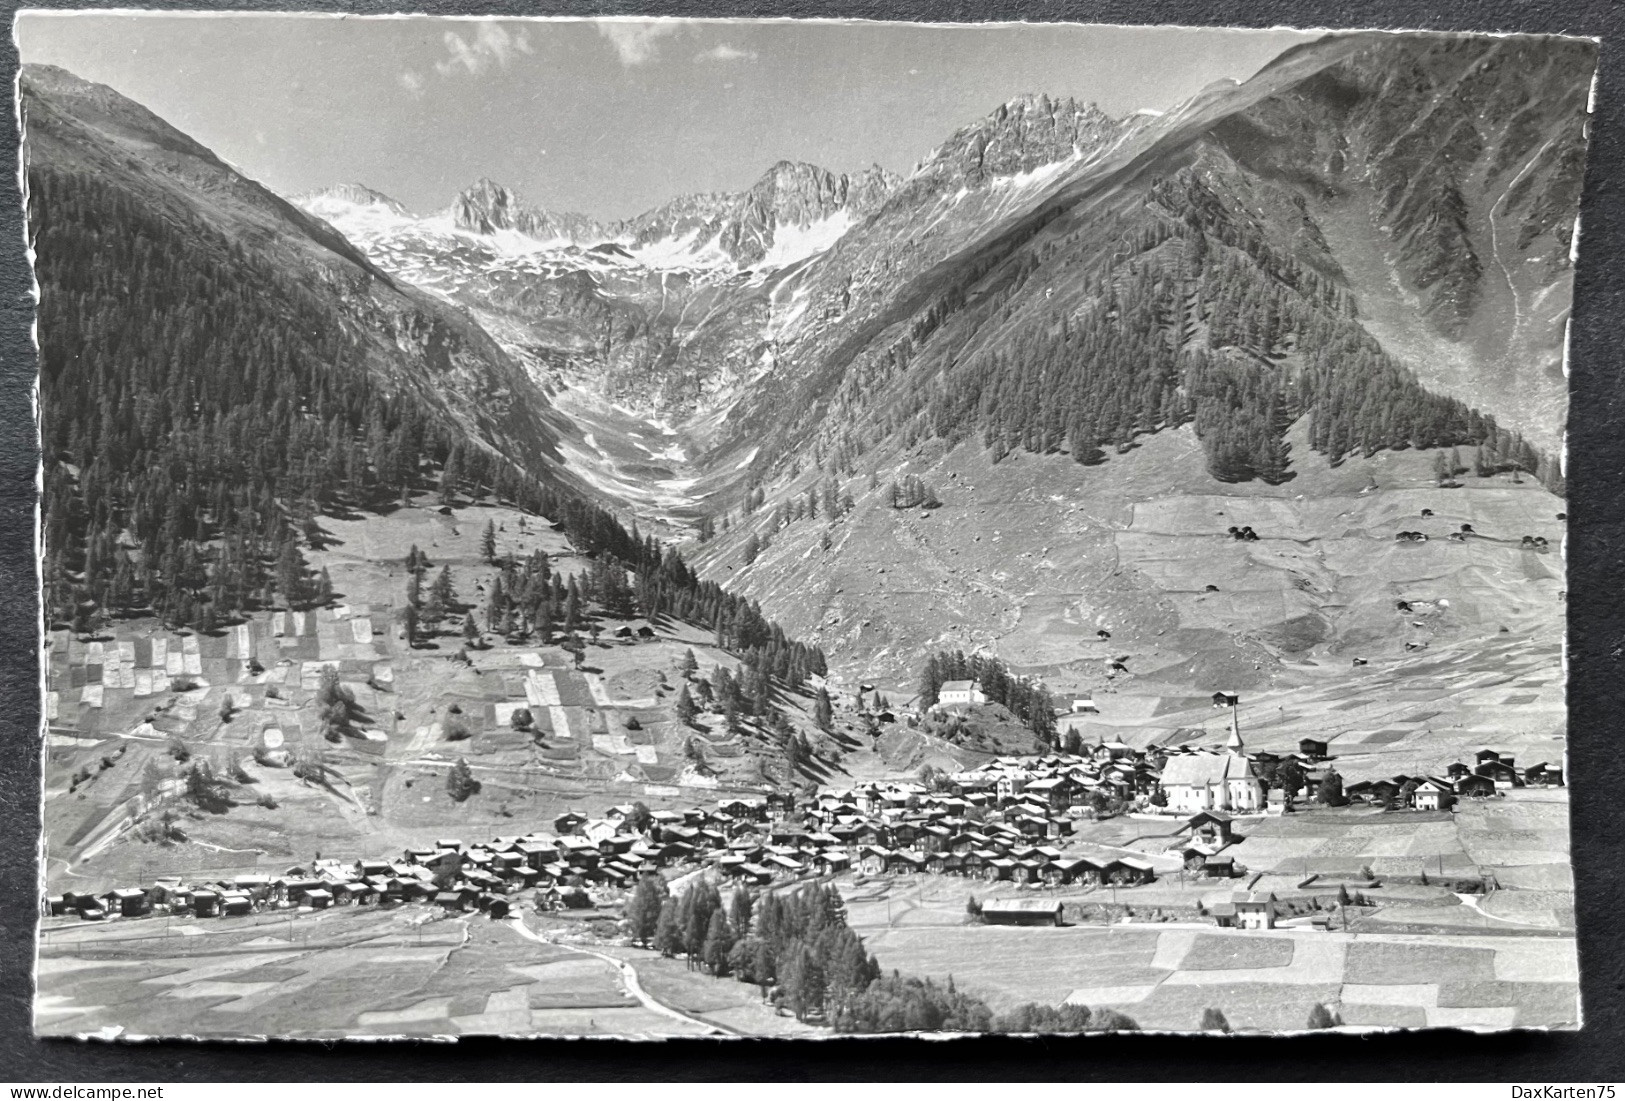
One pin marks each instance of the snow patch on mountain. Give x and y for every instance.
(795, 243)
(687, 251)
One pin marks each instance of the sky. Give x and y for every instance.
(605, 117)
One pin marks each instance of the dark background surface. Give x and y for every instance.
(1596, 664)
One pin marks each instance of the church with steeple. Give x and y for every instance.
(1214, 781)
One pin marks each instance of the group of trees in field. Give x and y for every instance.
(1028, 700)
(527, 599)
(426, 610)
(796, 946)
(912, 491)
(741, 699)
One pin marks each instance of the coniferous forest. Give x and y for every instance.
(1198, 314)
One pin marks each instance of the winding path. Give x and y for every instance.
(629, 977)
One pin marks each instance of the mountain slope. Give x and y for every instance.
(219, 368)
(877, 297)
(1457, 168)
(1182, 271)
(404, 338)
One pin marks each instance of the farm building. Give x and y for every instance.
(1021, 911)
(1131, 870)
(1501, 773)
(1211, 826)
(452, 899)
(1475, 787)
(1312, 749)
(1372, 791)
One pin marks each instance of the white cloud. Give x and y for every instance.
(723, 51)
(492, 44)
(635, 43)
(412, 82)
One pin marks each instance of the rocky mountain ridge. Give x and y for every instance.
(742, 229)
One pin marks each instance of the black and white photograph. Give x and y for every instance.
(646, 528)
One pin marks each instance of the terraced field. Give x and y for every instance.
(121, 708)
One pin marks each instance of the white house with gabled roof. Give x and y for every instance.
(961, 693)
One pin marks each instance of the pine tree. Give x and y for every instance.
(443, 589)
(643, 910)
(739, 911)
(823, 711)
(488, 543)
(668, 938)
(719, 942)
(685, 707)
(291, 572)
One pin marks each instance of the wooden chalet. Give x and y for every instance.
(127, 902)
(205, 902)
(1544, 774)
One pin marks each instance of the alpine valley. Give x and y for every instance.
(1262, 394)
(1282, 289)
